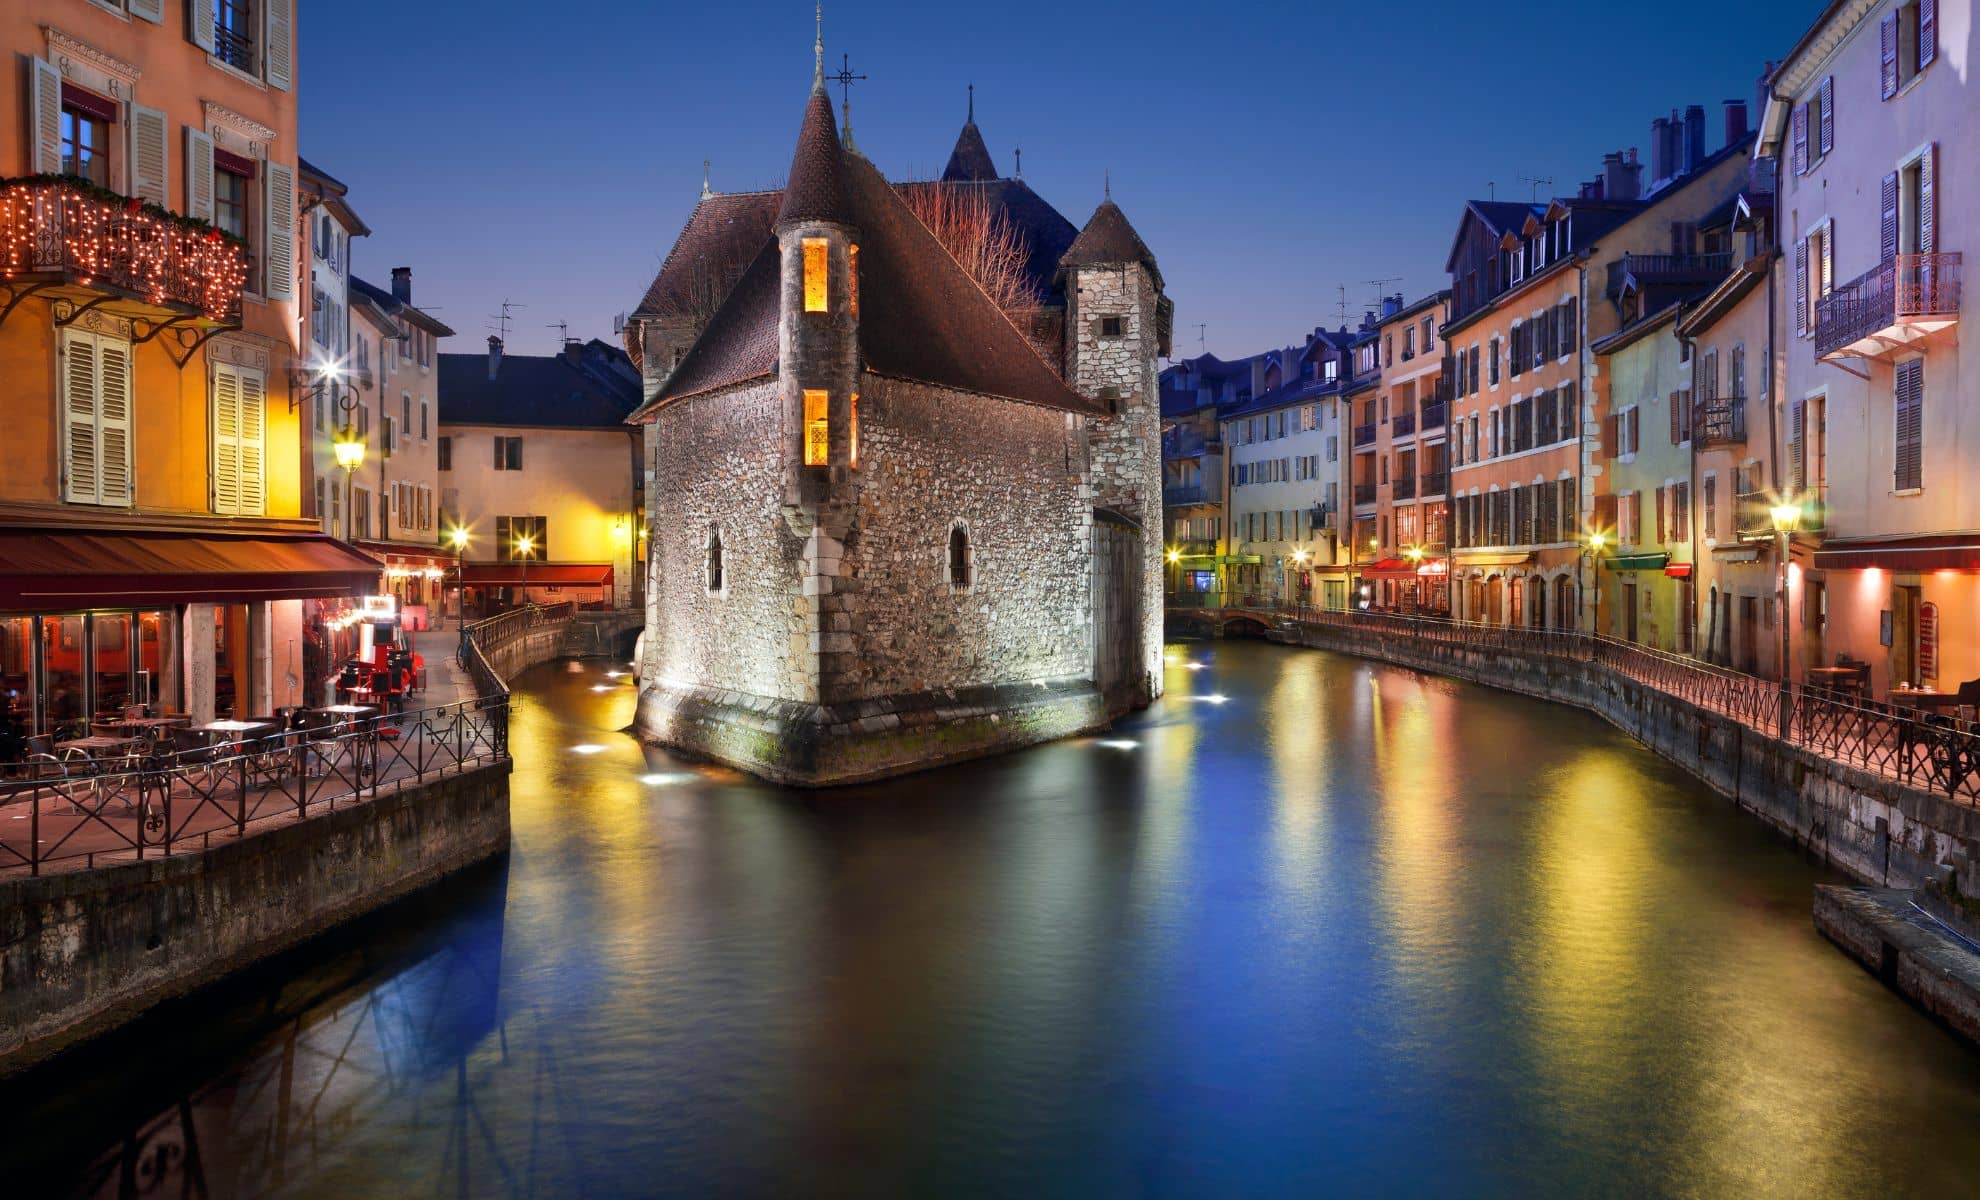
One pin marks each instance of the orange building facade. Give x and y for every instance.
(152, 549)
(1410, 546)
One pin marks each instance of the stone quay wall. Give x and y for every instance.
(82, 952)
(1874, 829)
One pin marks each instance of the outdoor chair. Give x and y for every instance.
(190, 753)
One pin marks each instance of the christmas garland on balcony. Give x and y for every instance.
(130, 204)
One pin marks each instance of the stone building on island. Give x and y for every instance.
(895, 521)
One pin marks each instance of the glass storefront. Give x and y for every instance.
(59, 671)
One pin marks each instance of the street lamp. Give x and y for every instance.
(349, 444)
(1596, 540)
(1415, 556)
(1787, 517)
(525, 546)
(458, 535)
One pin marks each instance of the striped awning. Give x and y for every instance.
(1932, 552)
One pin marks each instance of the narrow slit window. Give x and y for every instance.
(852, 430)
(817, 428)
(814, 275)
(852, 278)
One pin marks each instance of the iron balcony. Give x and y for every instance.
(1889, 307)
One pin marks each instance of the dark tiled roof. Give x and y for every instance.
(970, 160)
(740, 342)
(722, 235)
(542, 391)
(385, 302)
(1108, 238)
(816, 190)
(1047, 235)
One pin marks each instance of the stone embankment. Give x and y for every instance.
(1916, 849)
(86, 950)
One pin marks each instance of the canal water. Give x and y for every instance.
(1310, 926)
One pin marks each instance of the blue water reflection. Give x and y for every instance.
(1311, 926)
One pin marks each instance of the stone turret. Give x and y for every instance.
(1117, 325)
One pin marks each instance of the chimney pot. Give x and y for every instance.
(494, 356)
(1735, 120)
(1660, 150)
(402, 284)
(1694, 137)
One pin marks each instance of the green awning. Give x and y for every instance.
(1635, 562)
(1243, 560)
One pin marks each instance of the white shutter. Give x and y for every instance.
(253, 392)
(113, 413)
(44, 119)
(200, 13)
(150, 167)
(199, 174)
(279, 44)
(279, 249)
(81, 478)
(148, 10)
(226, 440)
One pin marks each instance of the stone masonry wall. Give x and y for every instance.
(718, 462)
(1010, 473)
(1127, 446)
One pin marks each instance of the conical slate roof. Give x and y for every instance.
(817, 187)
(1108, 239)
(970, 161)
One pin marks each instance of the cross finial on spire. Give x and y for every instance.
(705, 192)
(845, 78)
(818, 54)
(1019, 152)
(1107, 182)
(972, 104)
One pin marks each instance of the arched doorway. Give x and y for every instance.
(1536, 602)
(1474, 598)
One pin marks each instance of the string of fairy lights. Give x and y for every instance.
(55, 223)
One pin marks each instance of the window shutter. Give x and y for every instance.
(226, 441)
(1827, 282)
(1711, 506)
(1928, 199)
(200, 12)
(1827, 137)
(113, 411)
(1801, 286)
(253, 473)
(278, 43)
(1887, 47)
(1635, 429)
(1571, 341)
(279, 249)
(1661, 528)
(81, 474)
(199, 173)
(149, 160)
(1676, 436)
(1888, 228)
(1609, 435)
(1909, 471)
(498, 452)
(148, 10)
(1800, 139)
(1928, 32)
(502, 540)
(1798, 413)
(45, 119)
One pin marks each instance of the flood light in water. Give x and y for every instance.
(588, 748)
(1117, 743)
(666, 778)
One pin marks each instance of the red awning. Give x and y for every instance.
(1935, 552)
(516, 574)
(43, 570)
(1389, 568)
(1678, 570)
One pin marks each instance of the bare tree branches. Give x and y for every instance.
(978, 237)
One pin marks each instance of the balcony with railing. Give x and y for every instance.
(1403, 424)
(1886, 309)
(1403, 487)
(1187, 495)
(1181, 443)
(1364, 493)
(1432, 483)
(1433, 415)
(1753, 513)
(1364, 436)
(68, 240)
(1662, 270)
(1719, 421)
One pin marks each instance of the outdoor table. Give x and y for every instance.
(1847, 680)
(96, 742)
(1924, 698)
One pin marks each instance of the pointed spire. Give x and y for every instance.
(972, 105)
(818, 54)
(970, 161)
(1018, 154)
(1107, 182)
(705, 192)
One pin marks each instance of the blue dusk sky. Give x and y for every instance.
(1270, 154)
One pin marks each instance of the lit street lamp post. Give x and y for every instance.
(459, 537)
(1786, 516)
(348, 447)
(525, 546)
(1592, 556)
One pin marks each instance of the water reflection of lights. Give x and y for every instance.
(1195, 666)
(601, 687)
(667, 778)
(1117, 743)
(588, 748)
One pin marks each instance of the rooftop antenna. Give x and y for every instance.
(1491, 190)
(563, 329)
(845, 78)
(1381, 287)
(1107, 180)
(501, 325)
(1200, 327)
(1536, 185)
(1341, 305)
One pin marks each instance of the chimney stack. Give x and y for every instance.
(1622, 177)
(494, 351)
(1660, 150)
(402, 284)
(1735, 120)
(1694, 137)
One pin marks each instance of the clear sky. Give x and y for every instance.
(1269, 153)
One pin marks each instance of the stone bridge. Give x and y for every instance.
(1208, 614)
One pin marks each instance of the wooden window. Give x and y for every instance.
(815, 291)
(817, 428)
(508, 453)
(1112, 327)
(713, 575)
(1908, 469)
(239, 454)
(85, 139)
(96, 418)
(443, 454)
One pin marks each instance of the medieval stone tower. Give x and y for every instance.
(895, 522)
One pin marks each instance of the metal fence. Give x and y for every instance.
(480, 640)
(1937, 751)
(76, 812)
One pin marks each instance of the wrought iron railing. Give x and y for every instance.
(1719, 421)
(79, 812)
(1364, 435)
(1185, 493)
(482, 640)
(1402, 424)
(1432, 483)
(96, 238)
(1433, 415)
(1364, 493)
(1668, 268)
(1403, 487)
(1906, 288)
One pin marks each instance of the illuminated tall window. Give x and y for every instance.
(852, 278)
(817, 428)
(852, 430)
(814, 274)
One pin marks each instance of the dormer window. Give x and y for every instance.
(814, 275)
